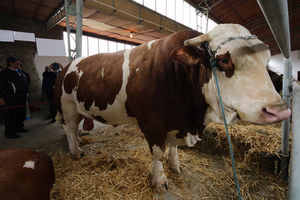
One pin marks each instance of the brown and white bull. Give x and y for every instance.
(166, 87)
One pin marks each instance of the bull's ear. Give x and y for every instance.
(187, 55)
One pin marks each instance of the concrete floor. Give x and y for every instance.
(42, 136)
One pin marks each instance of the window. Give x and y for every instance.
(162, 7)
(93, 46)
(180, 11)
(171, 9)
(84, 50)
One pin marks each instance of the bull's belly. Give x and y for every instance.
(114, 114)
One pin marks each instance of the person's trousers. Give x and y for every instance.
(13, 120)
(52, 106)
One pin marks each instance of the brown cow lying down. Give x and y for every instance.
(166, 87)
(25, 175)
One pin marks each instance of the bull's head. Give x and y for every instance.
(246, 88)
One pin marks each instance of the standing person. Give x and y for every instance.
(1, 107)
(50, 78)
(26, 109)
(13, 95)
(45, 81)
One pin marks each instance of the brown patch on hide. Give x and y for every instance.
(101, 80)
(70, 82)
(225, 64)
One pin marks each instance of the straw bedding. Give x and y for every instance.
(117, 162)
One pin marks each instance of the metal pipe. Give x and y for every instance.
(79, 5)
(294, 186)
(276, 14)
(286, 95)
(68, 29)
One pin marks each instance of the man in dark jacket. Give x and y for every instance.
(49, 78)
(13, 95)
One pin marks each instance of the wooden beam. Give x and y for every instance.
(139, 14)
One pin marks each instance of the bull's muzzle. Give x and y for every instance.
(277, 113)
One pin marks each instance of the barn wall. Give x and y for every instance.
(42, 61)
(26, 51)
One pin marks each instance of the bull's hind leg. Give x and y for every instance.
(72, 119)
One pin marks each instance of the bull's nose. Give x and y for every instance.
(273, 114)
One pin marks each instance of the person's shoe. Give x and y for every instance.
(12, 136)
(23, 130)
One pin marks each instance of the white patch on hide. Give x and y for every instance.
(115, 113)
(29, 164)
(102, 72)
(137, 69)
(73, 67)
(189, 140)
(149, 44)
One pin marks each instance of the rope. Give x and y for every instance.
(213, 65)
(24, 105)
(228, 136)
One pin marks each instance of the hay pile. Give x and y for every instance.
(117, 162)
(257, 145)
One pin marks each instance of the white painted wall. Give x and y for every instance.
(42, 61)
(276, 63)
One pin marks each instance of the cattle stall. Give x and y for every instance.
(117, 164)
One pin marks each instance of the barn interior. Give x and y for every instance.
(133, 23)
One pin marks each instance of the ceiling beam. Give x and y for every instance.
(137, 13)
(57, 16)
(37, 8)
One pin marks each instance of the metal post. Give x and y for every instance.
(276, 14)
(68, 29)
(286, 95)
(79, 5)
(294, 186)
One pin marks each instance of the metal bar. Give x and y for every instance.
(294, 186)
(57, 17)
(276, 14)
(68, 29)
(79, 5)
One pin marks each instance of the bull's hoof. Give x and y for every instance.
(177, 169)
(77, 154)
(160, 184)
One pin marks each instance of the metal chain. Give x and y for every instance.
(249, 37)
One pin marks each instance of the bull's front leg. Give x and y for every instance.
(159, 179)
(173, 161)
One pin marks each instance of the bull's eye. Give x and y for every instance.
(225, 60)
